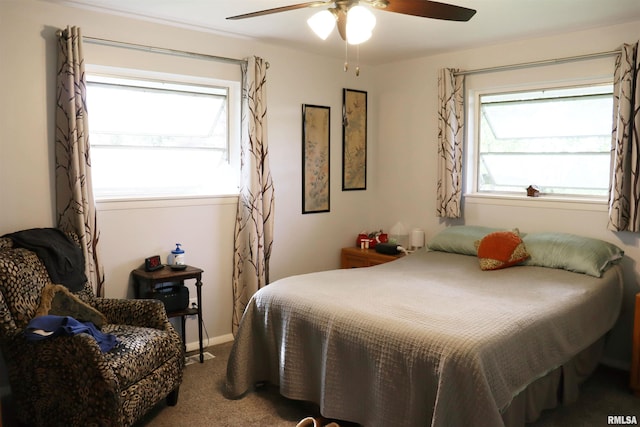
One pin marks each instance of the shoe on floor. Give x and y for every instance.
(316, 422)
(308, 422)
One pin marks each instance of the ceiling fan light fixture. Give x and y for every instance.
(322, 23)
(355, 23)
(360, 23)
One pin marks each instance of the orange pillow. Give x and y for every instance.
(501, 249)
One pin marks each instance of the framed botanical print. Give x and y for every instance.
(354, 140)
(316, 127)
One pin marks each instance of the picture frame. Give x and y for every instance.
(354, 140)
(316, 129)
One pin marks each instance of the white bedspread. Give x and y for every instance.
(429, 339)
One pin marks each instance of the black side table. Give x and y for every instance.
(146, 281)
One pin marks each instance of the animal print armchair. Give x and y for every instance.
(68, 380)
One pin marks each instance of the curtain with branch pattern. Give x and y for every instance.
(75, 207)
(450, 143)
(624, 193)
(254, 218)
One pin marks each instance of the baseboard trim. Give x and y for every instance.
(195, 345)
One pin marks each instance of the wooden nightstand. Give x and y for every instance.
(635, 358)
(145, 282)
(356, 257)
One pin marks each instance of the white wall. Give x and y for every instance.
(401, 157)
(407, 151)
(303, 243)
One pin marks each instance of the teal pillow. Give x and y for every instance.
(460, 239)
(570, 252)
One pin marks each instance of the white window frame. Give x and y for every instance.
(233, 89)
(472, 141)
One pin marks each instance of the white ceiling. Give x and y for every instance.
(395, 37)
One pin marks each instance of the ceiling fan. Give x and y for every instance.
(355, 22)
(421, 8)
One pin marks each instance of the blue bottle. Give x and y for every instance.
(178, 255)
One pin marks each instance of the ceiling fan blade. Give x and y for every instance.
(280, 9)
(430, 9)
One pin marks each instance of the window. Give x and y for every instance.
(558, 139)
(152, 138)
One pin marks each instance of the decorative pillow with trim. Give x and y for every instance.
(501, 249)
(59, 301)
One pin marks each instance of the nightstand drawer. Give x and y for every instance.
(356, 258)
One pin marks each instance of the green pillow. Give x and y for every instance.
(570, 252)
(460, 239)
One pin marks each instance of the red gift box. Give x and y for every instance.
(379, 238)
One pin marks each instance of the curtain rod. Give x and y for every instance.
(537, 63)
(146, 48)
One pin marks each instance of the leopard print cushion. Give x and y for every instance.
(5, 243)
(22, 278)
(138, 352)
(68, 381)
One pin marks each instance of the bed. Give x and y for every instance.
(433, 340)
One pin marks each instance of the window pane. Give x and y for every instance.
(143, 171)
(157, 139)
(558, 140)
(144, 116)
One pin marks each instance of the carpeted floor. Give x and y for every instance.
(202, 404)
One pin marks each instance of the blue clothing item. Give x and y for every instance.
(43, 327)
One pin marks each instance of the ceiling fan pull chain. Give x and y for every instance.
(346, 56)
(358, 60)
